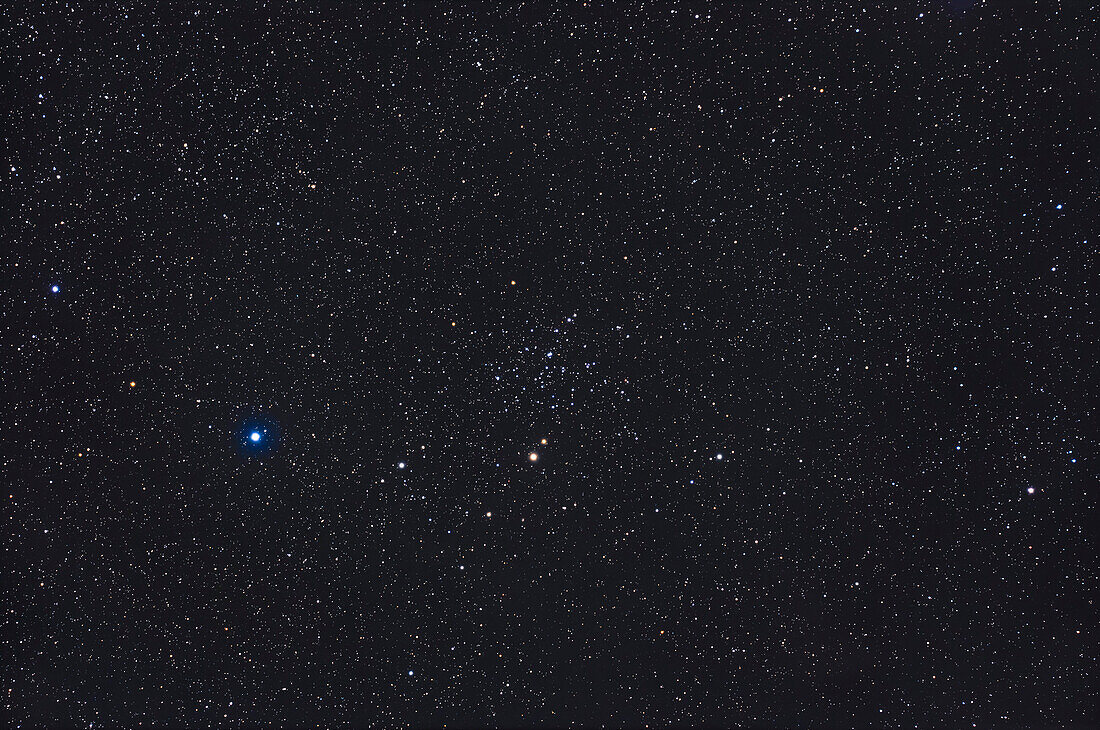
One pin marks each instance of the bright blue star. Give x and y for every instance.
(55, 288)
(258, 436)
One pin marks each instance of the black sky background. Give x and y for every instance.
(849, 249)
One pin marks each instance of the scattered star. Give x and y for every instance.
(818, 237)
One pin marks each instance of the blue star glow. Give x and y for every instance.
(258, 435)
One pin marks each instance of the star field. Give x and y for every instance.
(550, 365)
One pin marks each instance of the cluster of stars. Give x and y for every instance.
(635, 368)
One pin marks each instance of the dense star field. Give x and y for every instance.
(549, 364)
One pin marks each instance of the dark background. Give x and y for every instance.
(848, 249)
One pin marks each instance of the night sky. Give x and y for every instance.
(549, 364)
